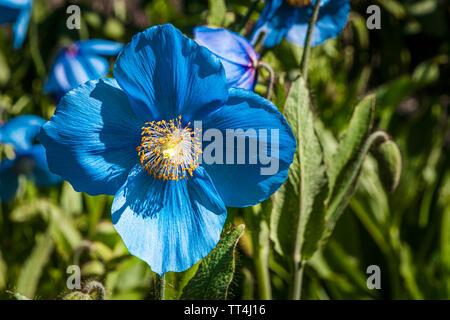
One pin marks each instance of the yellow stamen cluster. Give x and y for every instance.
(168, 150)
(299, 3)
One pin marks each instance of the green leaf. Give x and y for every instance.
(95, 206)
(215, 272)
(5, 72)
(32, 269)
(352, 140)
(3, 272)
(176, 281)
(347, 161)
(297, 226)
(348, 181)
(62, 226)
(71, 201)
(217, 12)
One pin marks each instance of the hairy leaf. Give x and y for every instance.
(297, 226)
(215, 272)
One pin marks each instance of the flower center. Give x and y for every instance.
(299, 3)
(72, 50)
(168, 150)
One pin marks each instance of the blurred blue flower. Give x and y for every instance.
(29, 157)
(18, 13)
(133, 137)
(78, 63)
(236, 53)
(289, 19)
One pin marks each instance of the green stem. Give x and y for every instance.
(161, 286)
(261, 261)
(298, 281)
(34, 47)
(261, 248)
(271, 78)
(307, 46)
(247, 16)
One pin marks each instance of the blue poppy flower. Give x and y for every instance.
(29, 158)
(78, 63)
(289, 19)
(238, 56)
(133, 137)
(18, 13)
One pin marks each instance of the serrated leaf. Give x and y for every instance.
(307, 181)
(34, 264)
(215, 272)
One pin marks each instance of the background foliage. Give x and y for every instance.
(405, 65)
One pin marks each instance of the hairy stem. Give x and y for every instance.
(271, 78)
(307, 46)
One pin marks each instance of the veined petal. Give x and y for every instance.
(267, 130)
(21, 131)
(166, 74)
(331, 21)
(169, 224)
(91, 139)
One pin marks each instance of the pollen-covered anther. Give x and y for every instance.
(169, 150)
(299, 3)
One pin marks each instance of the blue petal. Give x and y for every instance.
(331, 21)
(275, 20)
(91, 139)
(169, 224)
(18, 4)
(166, 74)
(241, 185)
(96, 67)
(68, 71)
(58, 78)
(21, 131)
(226, 44)
(41, 174)
(237, 54)
(99, 47)
(7, 14)
(9, 180)
(20, 27)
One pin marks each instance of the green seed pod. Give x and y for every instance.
(389, 161)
